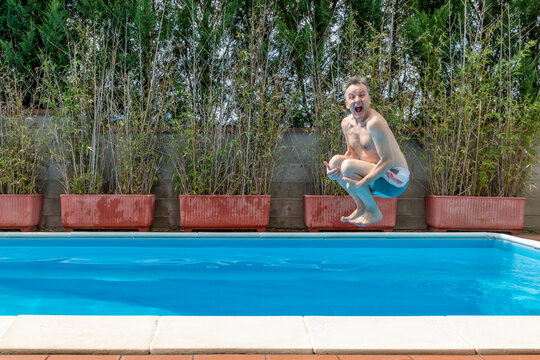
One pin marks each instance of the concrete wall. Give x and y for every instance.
(532, 194)
(289, 185)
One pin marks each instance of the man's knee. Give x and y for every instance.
(335, 161)
(348, 169)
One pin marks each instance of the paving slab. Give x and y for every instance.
(388, 335)
(79, 334)
(156, 357)
(229, 334)
(5, 323)
(23, 357)
(444, 357)
(500, 334)
(83, 357)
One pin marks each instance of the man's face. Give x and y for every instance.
(357, 100)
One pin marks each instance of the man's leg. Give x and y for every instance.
(356, 170)
(357, 167)
(335, 163)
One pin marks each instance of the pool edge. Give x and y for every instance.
(456, 335)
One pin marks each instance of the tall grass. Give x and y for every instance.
(107, 113)
(76, 99)
(225, 80)
(478, 131)
(20, 155)
(139, 104)
(234, 110)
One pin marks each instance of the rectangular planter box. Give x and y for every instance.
(22, 212)
(322, 212)
(475, 213)
(224, 212)
(124, 212)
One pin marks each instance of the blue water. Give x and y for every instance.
(293, 280)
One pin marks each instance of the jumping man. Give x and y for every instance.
(373, 163)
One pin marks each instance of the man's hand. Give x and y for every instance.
(355, 185)
(334, 174)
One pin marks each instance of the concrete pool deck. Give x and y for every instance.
(473, 337)
(465, 335)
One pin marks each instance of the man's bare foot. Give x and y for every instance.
(367, 218)
(355, 214)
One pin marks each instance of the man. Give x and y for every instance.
(373, 163)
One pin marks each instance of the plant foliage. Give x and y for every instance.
(479, 129)
(234, 107)
(225, 78)
(108, 108)
(21, 158)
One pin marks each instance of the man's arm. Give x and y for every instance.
(335, 174)
(345, 126)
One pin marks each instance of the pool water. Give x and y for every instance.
(283, 277)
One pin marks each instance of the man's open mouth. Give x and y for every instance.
(358, 109)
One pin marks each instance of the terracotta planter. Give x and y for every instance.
(323, 212)
(127, 212)
(227, 212)
(472, 213)
(21, 212)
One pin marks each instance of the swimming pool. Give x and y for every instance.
(269, 274)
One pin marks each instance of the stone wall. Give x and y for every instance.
(289, 185)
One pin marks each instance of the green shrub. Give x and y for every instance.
(478, 130)
(234, 111)
(107, 112)
(20, 156)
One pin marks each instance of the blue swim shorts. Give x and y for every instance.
(393, 183)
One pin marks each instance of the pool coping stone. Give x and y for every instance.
(169, 238)
(30, 334)
(455, 335)
(385, 335)
(231, 334)
(500, 334)
(5, 323)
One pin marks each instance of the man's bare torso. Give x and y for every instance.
(360, 140)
